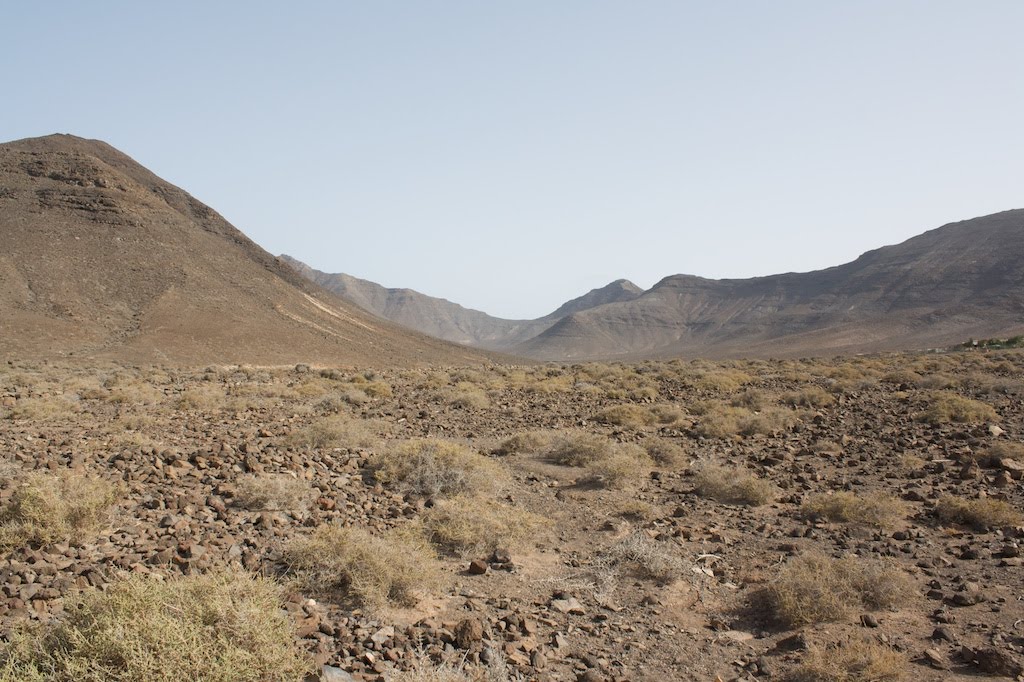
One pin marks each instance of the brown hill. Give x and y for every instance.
(959, 281)
(443, 319)
(101, 258)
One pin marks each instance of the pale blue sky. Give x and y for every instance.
(511, 155)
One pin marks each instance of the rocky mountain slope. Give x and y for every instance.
(450, 321)
(959, 281)
(102, 258)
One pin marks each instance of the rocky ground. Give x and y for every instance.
(646, 576)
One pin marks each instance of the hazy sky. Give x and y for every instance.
(512, 155)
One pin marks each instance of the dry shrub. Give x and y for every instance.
(376, 389)
(579, 449)
(46, 508)
(433, 467)
(524, 442)
(648, 558)
(352, 564)
(811, 396)
(814, 588)
(936, 382)
(477, 525)
(623, 466)
(609, 464)
(950, 407)
(750, 398)
(205, 397)
(667, 414)
(723, 421)
(44, 408)
(724, 380)
(467, 396)
(631, 416)
(733, 486)
(1006, 450)
(859, 660)
(273, 492)
(981, 514)
(337, 431)
(874, 509)
(221, 627)
(355, 396)
(665, 453)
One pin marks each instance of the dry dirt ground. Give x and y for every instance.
(639, 563)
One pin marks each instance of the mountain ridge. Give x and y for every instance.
(956, 281)
(103, 259)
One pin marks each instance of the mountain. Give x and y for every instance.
(450, 321)
(103, 259)
(956, 282)
(962, 280)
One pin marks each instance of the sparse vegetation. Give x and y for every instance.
(859, 660)
(980, 514)
(946, 407)
(609, 464)
(732, 486)
(479, 525)
(666, 453)
(434, 467)
(273, 492)
(814, 588)
(336, 431)
(220, 627)
(872, 509)
(351, 564)
(648, 558)
(525, 442)
(45, 508)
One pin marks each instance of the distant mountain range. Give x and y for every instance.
(959, 281)
(103, 259)
(100, 258)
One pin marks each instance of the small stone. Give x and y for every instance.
(942, 633)
(869, 621)
(468, 632)
(570, 605)
(478, 567)
(935, 659)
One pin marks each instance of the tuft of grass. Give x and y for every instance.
(811, 396)
(874, 509)
(814, 588)
(273, 492)
(733, 486)
(949, 407)
(523, 443)
(434, 467)
(219, 627)
(579, 449)
(723, 421)
(478, 525)
(859, 660)
(666, 453)
(337, 431)
(628, 415)
(648, 558)
(981, 514)
(609, 464)
(468, 397)
(46, 508)
(371, 571)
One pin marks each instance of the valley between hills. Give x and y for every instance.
(216, 464)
